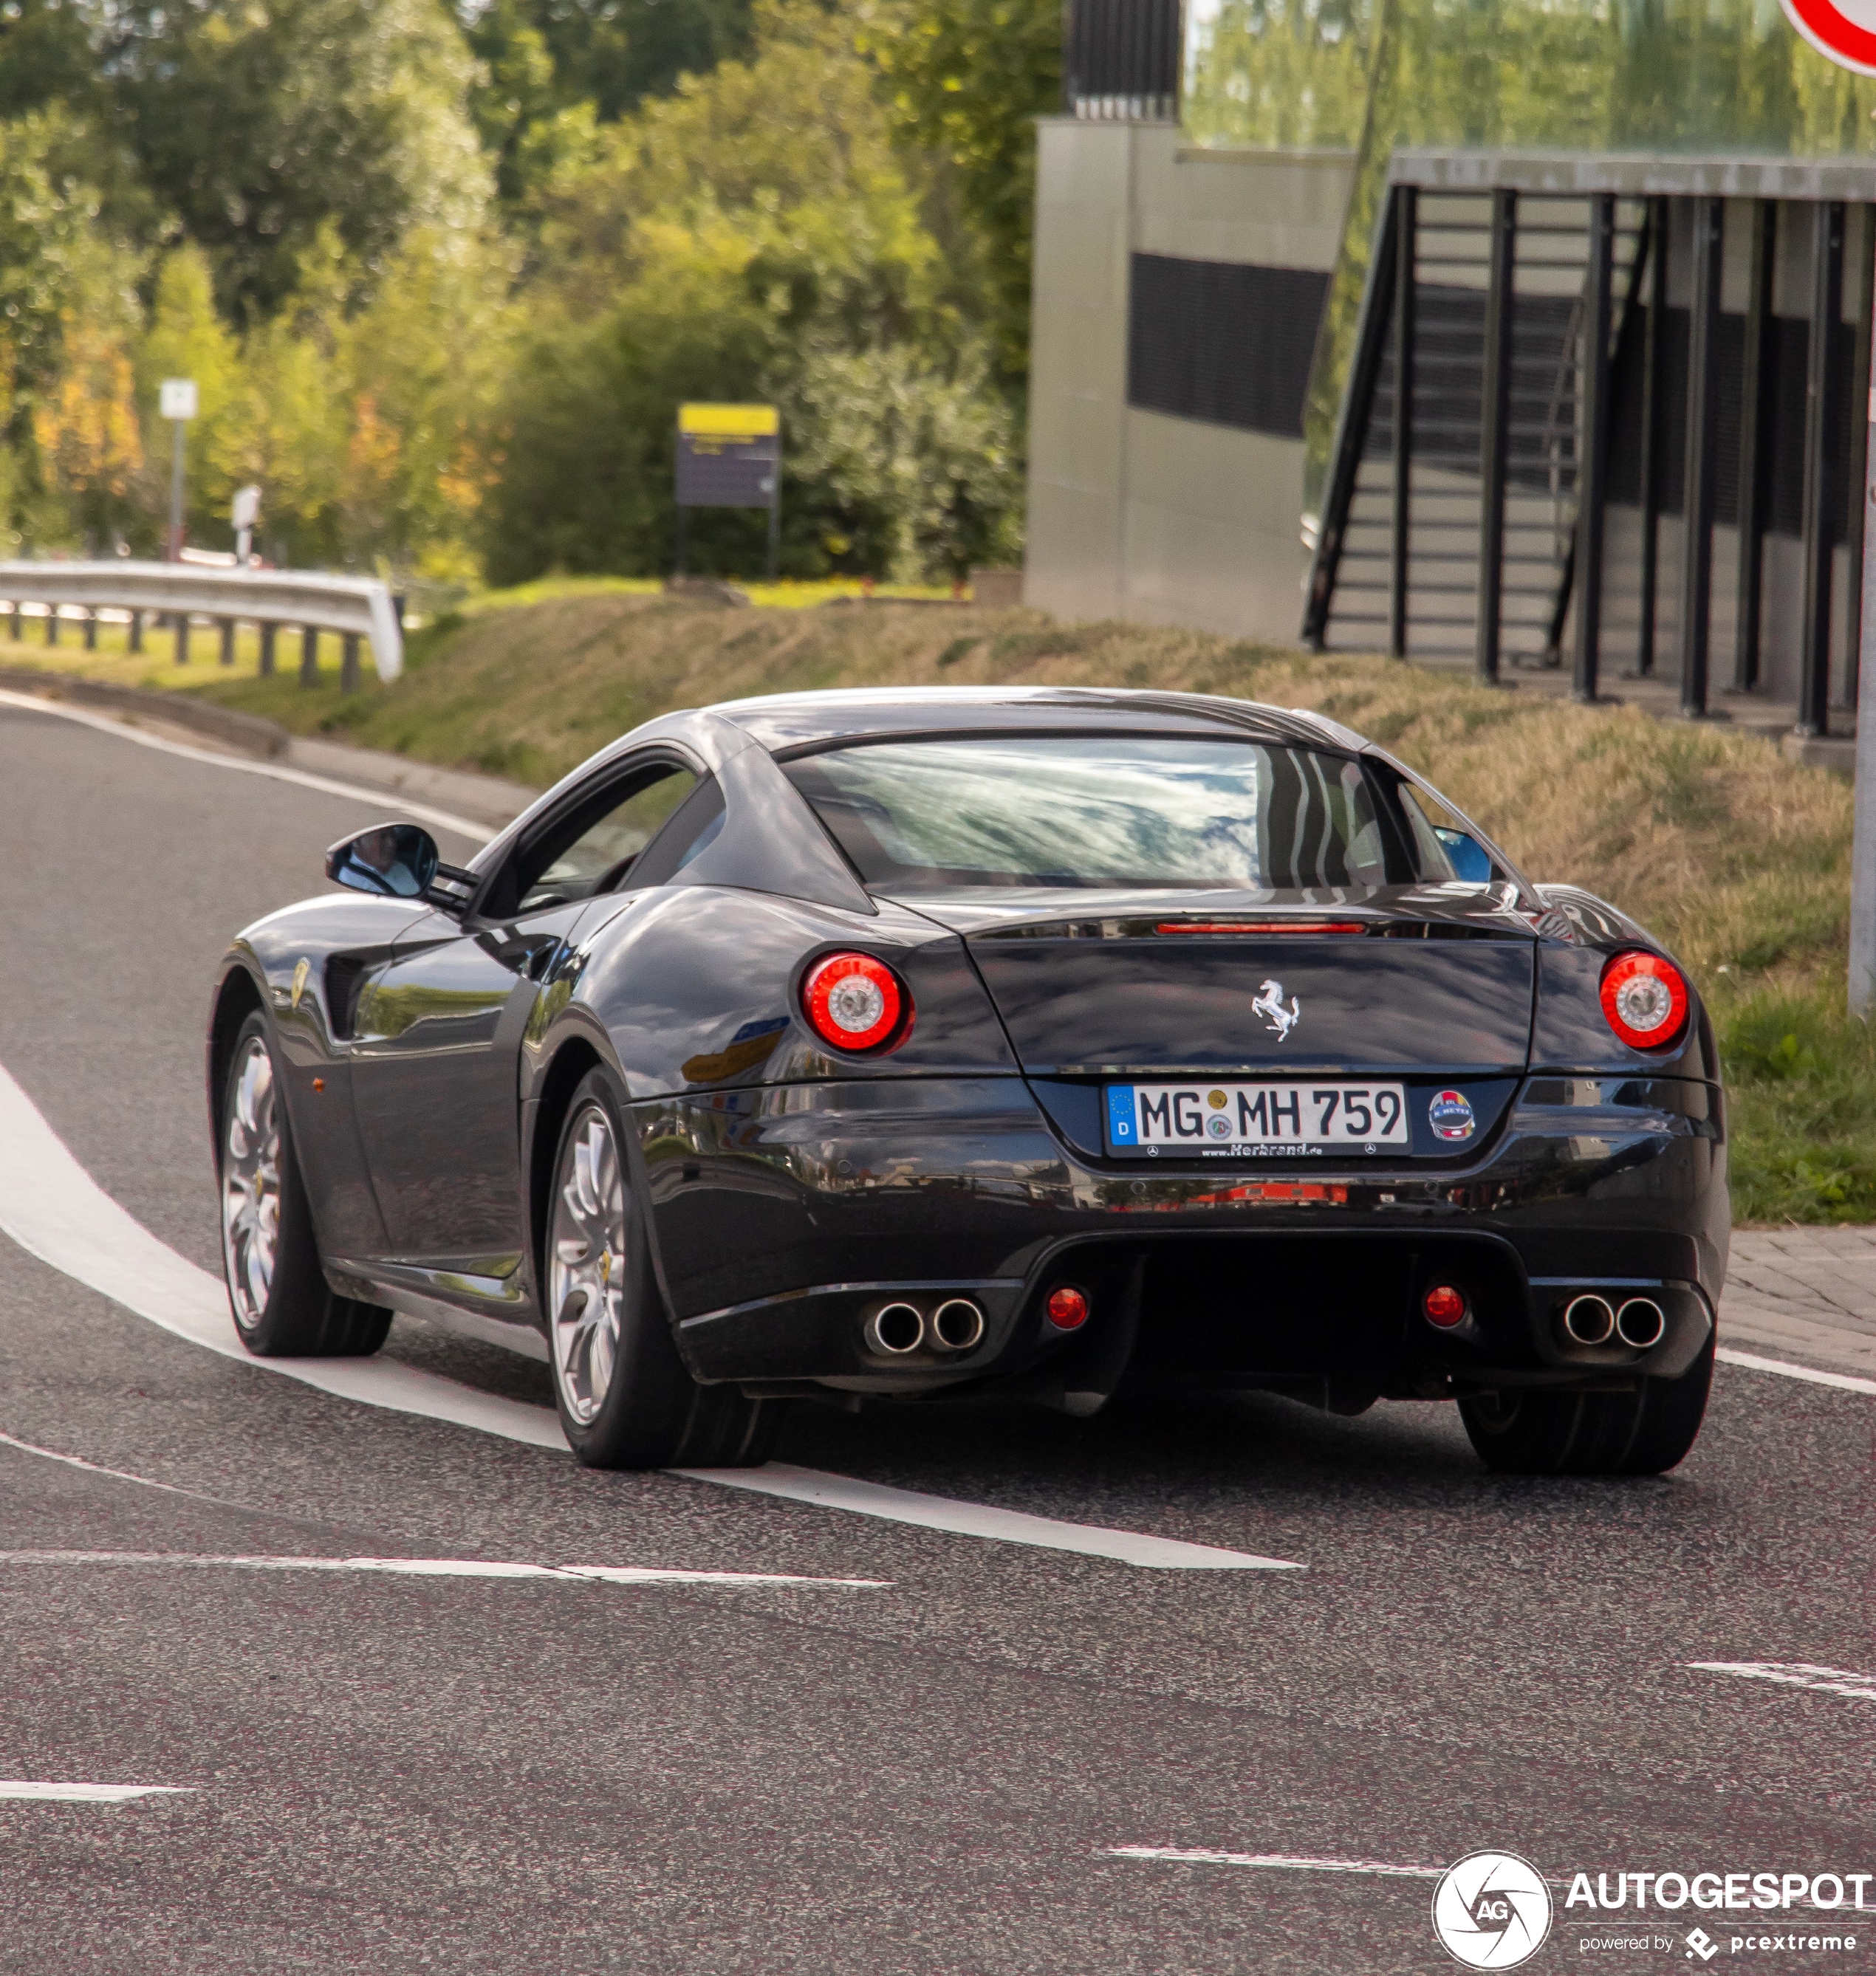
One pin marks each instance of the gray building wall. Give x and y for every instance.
(1136, 514)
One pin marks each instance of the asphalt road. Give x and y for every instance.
(389, 1773)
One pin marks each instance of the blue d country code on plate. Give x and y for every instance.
(1224, 1117)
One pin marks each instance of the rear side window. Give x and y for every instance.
(1092, 811)
(594, 849)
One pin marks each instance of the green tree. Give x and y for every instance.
(755, 235)
(966, 80)
(256, 125)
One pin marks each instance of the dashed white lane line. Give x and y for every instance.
(51, 1793)
(440, 1567)
(1846, 1382)
(54, 1210)
(1200, 1856)
(384, 799)
(1797, 1674)
(979, 1519)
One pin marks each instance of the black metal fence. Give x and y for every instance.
(1122, 59)
(1485, 431)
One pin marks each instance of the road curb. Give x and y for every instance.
(248, 733)
(486, 799)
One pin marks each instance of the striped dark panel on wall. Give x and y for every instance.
(1232, 345)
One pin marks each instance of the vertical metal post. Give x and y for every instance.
(1855, 518)
(680, 535)
(268, 630)
(1407, 218)
(348, 663)
(1494, 431)
(1755, 446)
(774, 514)
(180, 621)
(1653, 404)
(51, 623)
(1822, 420)
(136, 631)
(1696, 561)
(1863, 852)
(18, 628)
(178, 428)
(1592, 484)
(309, 655)
(90, 629)
(228, 641)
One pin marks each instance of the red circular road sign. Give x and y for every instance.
(1844, 30)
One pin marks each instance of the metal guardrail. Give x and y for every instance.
(352, 606)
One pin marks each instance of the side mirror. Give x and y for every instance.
(1470, 862)
(397, 860)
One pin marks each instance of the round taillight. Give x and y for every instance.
(1444, 1305)
(854, 1002)
(1645, 999)
(1067, 1308)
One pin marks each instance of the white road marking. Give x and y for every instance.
(1797, 1674)
(441, 1567)
(114, 1474)
(384, 799)
(54, 1210)
(1198, 1856)
(1846, 1382)
(978, 1520)
(18, 1787)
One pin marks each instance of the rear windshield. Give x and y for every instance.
(1090, 811)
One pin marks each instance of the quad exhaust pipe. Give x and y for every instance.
(1641, 1322)
(896, 1330)
(1591, 1319)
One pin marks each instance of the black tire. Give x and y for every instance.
(646, 1412)
(1643, 1433)
(287, 1310)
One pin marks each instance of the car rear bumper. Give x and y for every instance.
(784, 1217)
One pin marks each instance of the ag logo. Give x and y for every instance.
(1491, 1911)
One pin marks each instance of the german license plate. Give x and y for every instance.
(1195, 1118)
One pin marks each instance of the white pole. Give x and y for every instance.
(1862, 982)
(178, 427)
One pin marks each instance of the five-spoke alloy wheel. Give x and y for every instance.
(586, 1264)
(251, 1182)
(627, 1399)
(283, 1305)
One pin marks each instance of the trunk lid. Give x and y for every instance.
(1431, 978)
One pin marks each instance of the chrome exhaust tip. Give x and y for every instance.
(1589, 1320)
(958, 1325)
(1641, 1322)
(895, 1329)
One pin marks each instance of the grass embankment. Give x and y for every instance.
(1735, 857)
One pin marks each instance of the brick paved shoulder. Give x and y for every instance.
(1808, 1294)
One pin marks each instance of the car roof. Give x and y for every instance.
(784, 722)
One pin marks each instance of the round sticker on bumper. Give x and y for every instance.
(1450, 1115)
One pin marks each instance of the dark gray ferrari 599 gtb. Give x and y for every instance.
(910, 1043)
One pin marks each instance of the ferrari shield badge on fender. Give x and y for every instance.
(1268, 1003)
(1450, 1115)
